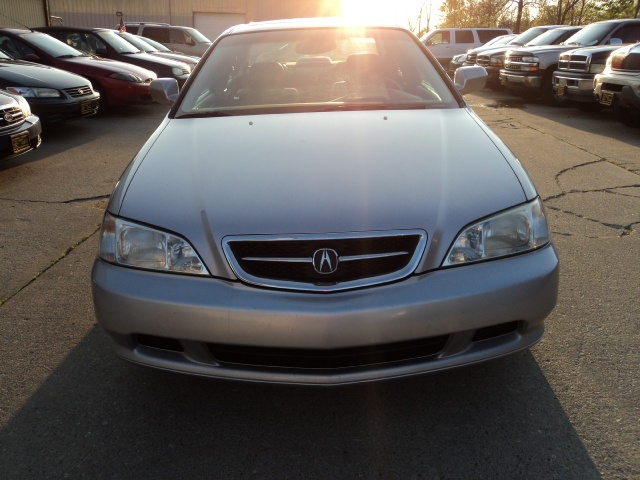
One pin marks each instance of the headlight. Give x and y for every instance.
(530, 59)
(617, 61)
(33, 92)
(517, 230)
(460, 58)
(496, 61)
(24, 106)
(127, 77)
(128, 243)
(177, 72)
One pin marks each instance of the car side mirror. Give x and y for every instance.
(31, 57)
(470, 79)
(165, 91)
(615, 41)
(191, 41)
(101, 52)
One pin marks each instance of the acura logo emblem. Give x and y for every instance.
(325, 260)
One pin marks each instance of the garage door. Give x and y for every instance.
(213, 24)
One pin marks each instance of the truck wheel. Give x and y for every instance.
(547, 94)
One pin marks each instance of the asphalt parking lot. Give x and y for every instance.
(569, 408)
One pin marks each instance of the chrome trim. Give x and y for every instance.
(288, 285)
(349, 258)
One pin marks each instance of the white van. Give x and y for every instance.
(446, 43)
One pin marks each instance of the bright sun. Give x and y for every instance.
(397, 11)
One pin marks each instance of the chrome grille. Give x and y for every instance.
(483, 60)
(11, 116)
(573, 62)
(471, 57)
(77, 92)
(354, 260)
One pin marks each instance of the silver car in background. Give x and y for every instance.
(320, 206)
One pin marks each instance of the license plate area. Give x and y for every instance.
(560, 90)
(20, 142)
(86, 107)
(606, 98)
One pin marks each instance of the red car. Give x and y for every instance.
(118, 83)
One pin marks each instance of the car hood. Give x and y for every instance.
(151, 62)
(106, 66)
(205, 179)
(544, 49)
(189, 60)
(15, 73)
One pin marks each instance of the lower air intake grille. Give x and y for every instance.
(339, 358)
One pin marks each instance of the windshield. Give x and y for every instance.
(197, 36)
(118, 43)
(549, 37)
(501, 40)
(590, 35)
(316, 70)
(529, 35)
(138, 42)
(51, 46)
(155, 44)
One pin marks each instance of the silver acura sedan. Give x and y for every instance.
(320, 206)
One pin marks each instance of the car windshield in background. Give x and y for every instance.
(589, 35)
(51, 46)
(527, 36)
(119, 44)
(197, 36)
(315, 70)
(138, 42)
(547, 38)
(155, 44)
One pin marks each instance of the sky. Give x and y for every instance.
(398, 11)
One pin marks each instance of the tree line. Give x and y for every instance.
(518, 15)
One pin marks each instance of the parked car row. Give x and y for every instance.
(591, 67)
(66, 73)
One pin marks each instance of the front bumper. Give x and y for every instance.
(574, 86)
(493, 75)
(50, 111)
(180, 323)
(531, 83)
(620, 88)
(119, 92)
(21, 139)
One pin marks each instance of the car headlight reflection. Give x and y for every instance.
(130, 244)
(177, 72)
(517, 230)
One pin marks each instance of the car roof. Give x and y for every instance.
(317, 22)
(18, 31)
(69, 27)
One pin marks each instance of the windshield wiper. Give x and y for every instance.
(71, 56)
